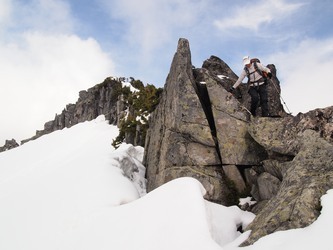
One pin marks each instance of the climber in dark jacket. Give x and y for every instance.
(257, 84)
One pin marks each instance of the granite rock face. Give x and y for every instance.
(296, 203)
(200, 130)
(231, 120)
(306, 140)
(280, 135)
(179, 141)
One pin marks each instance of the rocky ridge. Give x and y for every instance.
(285, 163)
(113, 98)
(98, 100)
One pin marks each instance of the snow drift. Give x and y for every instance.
(72, 190)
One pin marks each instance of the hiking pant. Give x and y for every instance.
(259, 93)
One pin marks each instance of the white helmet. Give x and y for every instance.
(246, 60)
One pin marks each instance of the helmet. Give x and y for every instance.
(246, 60)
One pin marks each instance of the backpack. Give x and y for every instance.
(255, 61)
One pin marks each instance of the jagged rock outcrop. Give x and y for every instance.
(283, 140)
(305, 179)
(200, 130)
(9, 144)
(300, 182)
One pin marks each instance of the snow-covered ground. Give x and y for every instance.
(71, 190)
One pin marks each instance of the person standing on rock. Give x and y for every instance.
(257, 80)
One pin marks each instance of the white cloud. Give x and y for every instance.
(252, 15)
(5, 10)
(305, 75)
(42, 70)
(44, 75)
(5, 15)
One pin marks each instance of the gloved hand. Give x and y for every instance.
(232, 89)
(269, 75)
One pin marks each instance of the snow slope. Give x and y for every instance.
(71, 190)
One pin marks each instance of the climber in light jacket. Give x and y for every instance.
(255, 71)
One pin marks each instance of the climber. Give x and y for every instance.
(257, 80)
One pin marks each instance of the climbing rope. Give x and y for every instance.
(277, 90)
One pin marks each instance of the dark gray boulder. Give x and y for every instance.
(9, 144)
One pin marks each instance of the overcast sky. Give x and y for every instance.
(52, 49)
